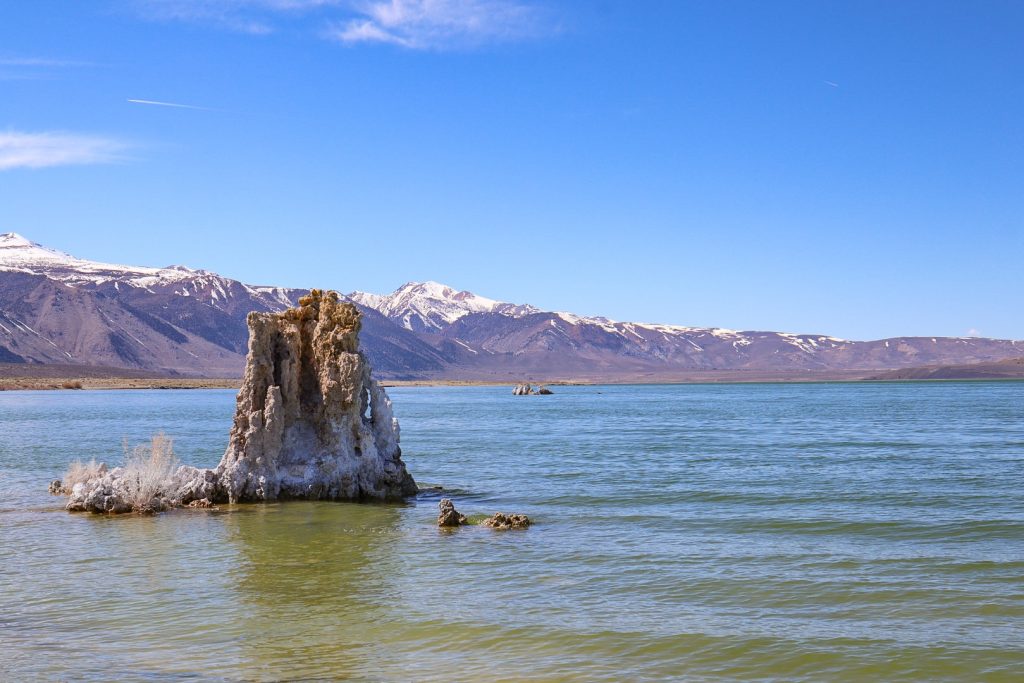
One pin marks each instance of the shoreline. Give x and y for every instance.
(105, 383)
(180, 383)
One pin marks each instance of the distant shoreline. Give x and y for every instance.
(76, 383)
(15, 376)
(72, 383)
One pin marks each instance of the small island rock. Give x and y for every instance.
(310, 422)
(449, 516)
(500, 520)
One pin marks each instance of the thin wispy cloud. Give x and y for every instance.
(413, 24)
(175, 105)
(438, 24)
(47, 149)
(32, 68)
(832, 84)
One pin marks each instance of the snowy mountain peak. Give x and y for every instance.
(18, 253)
(10, 240)
(432, 306)
(15, 248)
(439, 292)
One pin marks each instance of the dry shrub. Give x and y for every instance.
(80, 471)
(71, 384)
(149, 472)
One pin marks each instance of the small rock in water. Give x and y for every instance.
(525, 389)
(150, 508)
(201, 503)
(56, 488)
(500, 520)
(449, 516)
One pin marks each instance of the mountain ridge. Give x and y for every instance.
(56, 308)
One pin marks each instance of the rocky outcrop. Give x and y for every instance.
(310, 422)
(524, 389)
(500, 520)
(144, 486)
(448, 515)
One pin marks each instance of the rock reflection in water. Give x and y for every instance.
(312, 592)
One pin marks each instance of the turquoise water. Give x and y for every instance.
(808, 532)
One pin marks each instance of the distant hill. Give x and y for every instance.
(58, 309)
(1012, 368)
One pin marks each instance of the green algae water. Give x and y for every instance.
(814, 532)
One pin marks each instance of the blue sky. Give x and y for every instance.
(852, 168)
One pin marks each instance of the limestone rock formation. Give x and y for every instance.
(310, 422)
(148, 487)
(524, 389)
(448, 515)
(500, 520)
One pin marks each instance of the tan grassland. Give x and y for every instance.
(19, 383)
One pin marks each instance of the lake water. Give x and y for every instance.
(813, 532)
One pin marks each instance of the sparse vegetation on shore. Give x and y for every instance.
(149, 472)
(79, 471)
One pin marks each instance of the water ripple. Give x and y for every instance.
(840, 532)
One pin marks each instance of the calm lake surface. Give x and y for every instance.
(700, 532)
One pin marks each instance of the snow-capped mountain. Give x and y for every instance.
(18, 254)
(56, 308)
(484, 334)
(431, 306)
(22, 255)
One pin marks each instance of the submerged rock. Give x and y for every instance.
(500, 520)
(449, 516)
(56, 488)
(310, 422)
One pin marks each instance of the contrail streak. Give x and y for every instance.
(170, 104)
